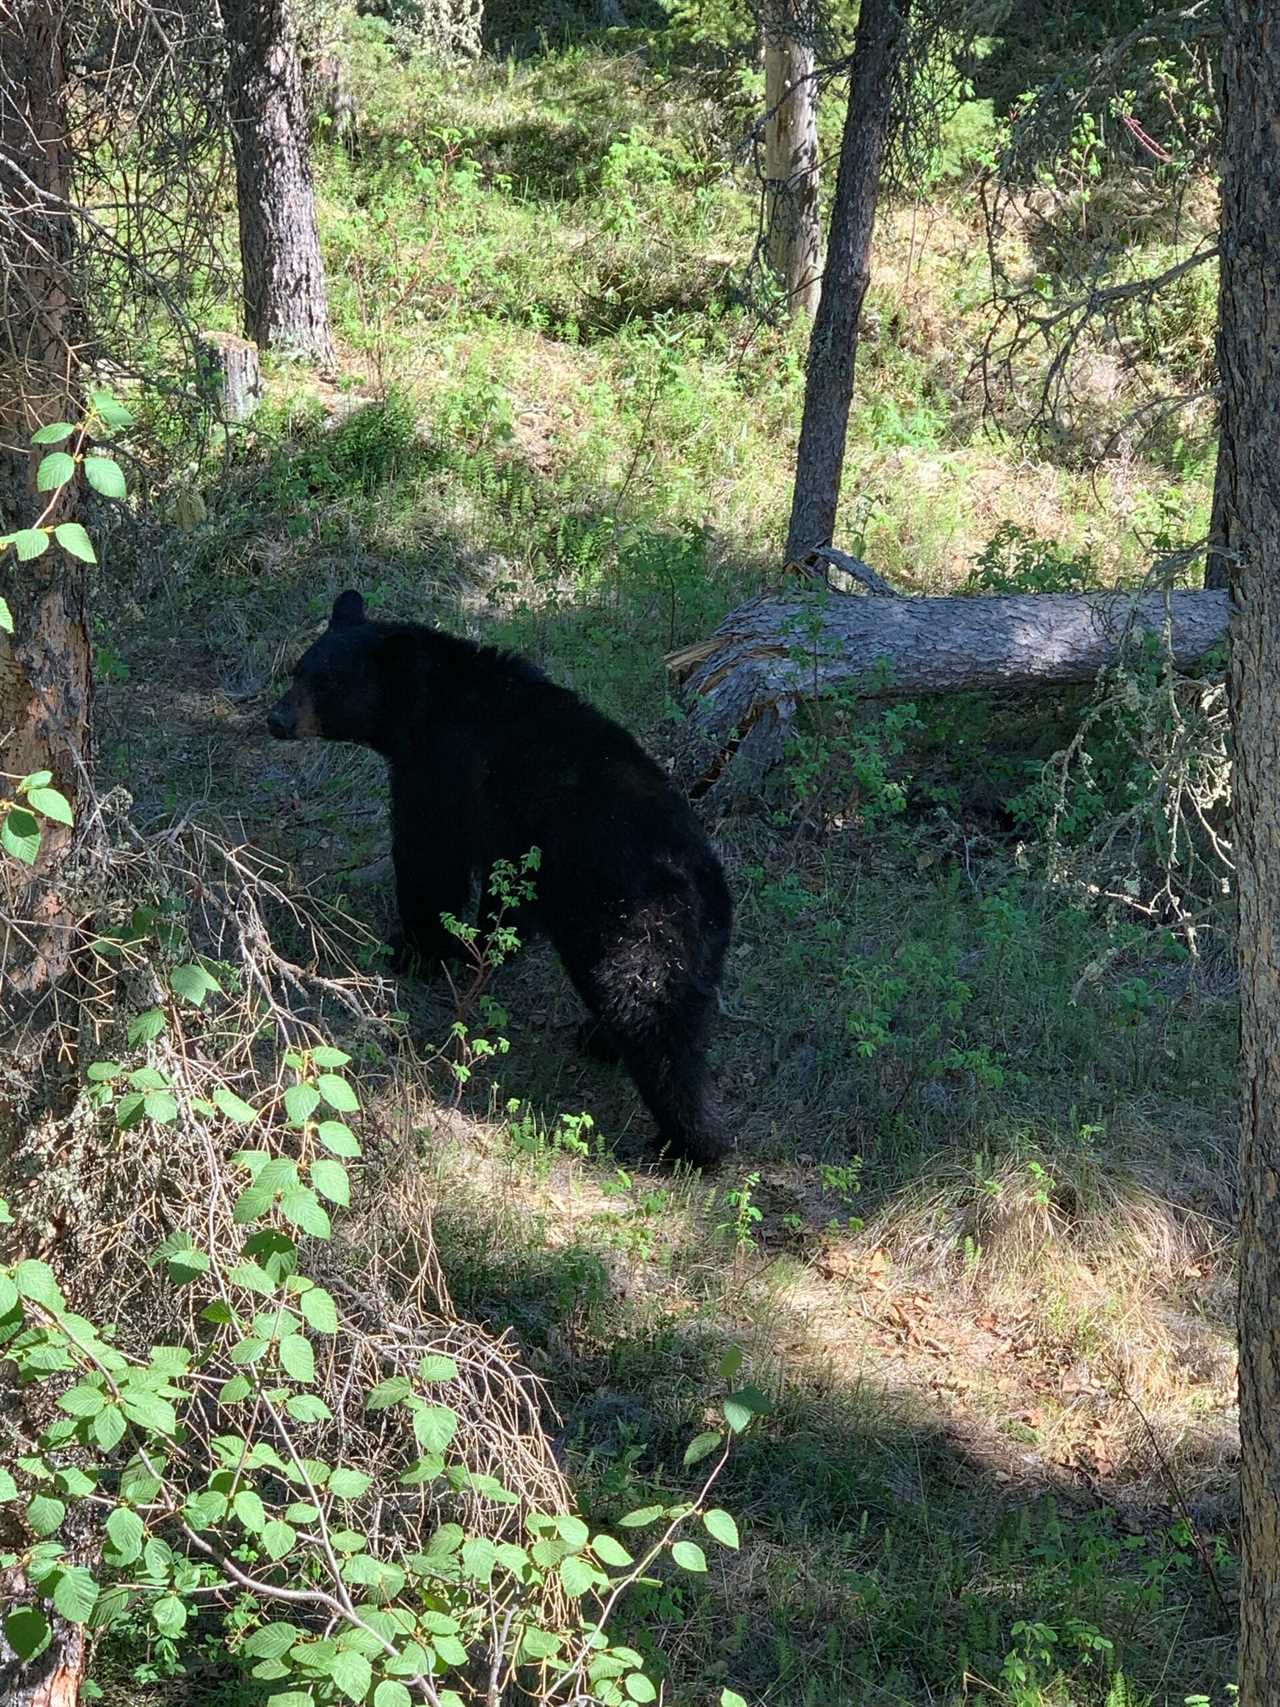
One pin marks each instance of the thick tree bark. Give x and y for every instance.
(744, 683)
(1249, 350)
(877, 52)
(1217, 567)
(44, 663)
(285, 304)
(794, 231)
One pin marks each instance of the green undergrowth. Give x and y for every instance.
(562, 424)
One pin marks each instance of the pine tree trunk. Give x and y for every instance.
(794, 240)
(285, 304)
(829, 385)
(1217, 567)
(1249, 338)
(744, 683)
(44, 665)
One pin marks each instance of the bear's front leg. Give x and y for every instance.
(427, 885)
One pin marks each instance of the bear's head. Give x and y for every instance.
(337, 691)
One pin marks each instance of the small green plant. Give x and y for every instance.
(479, 1020)
(746, 1215)
(1015, 560)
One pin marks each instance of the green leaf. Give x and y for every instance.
(75, 1593)
(36, 1280)
(539, 1644)
(639, 1688)
(638, 1519)
(204, 1510)
(75, 541)
(731, 1698)
(278, 1538)
(271, 1641)
(252, 1202)
(20, 835)
(701, 1446)
(253, 1277)
(169, 1615)
(6, 618)
(234, 1107)
(53, 804)
(8, 1487)
(576, 1575)
(337, 1093)
(740, 1408)
(389, 1693)
(126, 1534)
(108, 1427)
(103, 474)
(689, 1556)
(98, 1072)
(82, 1401)
(301, 1102)
(110, 413)
(328, 1056)
(27, 1631)
(437, 1367)
(54, 471)
(303, 1208)
(8, 1295)
(44, 1514)
(192, 983)
(611, 1552)
(338, 1138)
(248, 1507)
(330, 1180)
(388, 1393)
(29, 543)
(352, 1674)
(434, 1426)
(319, 1311)
(572, 1529)
(307, 1408)
(146, 1027)
(721, 1526)
(297, 1358)
(53, 434)
(249, 1350)
(160, 1106)
(349, 1484)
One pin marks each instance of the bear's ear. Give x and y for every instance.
(347, 607)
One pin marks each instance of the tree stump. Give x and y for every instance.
(230, 374)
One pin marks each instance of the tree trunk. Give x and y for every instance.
(1217, 566)
(44, 662)
(284, 295)
(1249, 337)
(877, 53)
(745, 682)
(794, 232)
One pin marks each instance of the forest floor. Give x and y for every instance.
(974, 1238)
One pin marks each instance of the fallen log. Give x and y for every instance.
(744, 682)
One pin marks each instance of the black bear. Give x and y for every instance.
(487, 759)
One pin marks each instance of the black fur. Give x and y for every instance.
(487, 759)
